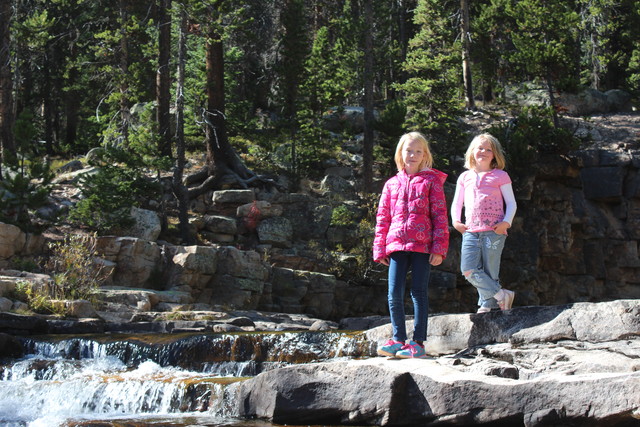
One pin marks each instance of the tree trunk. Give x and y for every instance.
(72, 99)
(294, 51)
(466, 54)
(7, 143)
(368, 98)
(163, 78)
(404, 35)
(552, 100)
(221, 157)
(178, 187)
(125, 113)
(48, 112)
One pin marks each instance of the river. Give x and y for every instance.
(164, 380)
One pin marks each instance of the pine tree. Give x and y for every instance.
(432, 91)
(7, 144)
(545, 42)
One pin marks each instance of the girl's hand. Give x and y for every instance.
(460, 227)
(501, 228)
(385, 261)
(435, 259)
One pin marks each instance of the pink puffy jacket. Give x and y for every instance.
(412, 215)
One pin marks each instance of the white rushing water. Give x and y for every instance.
(179, 381)
(49, 392)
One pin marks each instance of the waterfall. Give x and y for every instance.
(40, 391)
(146, 377)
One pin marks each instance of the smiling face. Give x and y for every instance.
(483, 156)
(413, 156)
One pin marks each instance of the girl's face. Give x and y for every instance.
(413, 155)
(483, 155)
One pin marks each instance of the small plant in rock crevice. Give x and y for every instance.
(36, 297)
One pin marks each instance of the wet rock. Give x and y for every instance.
(17, 324)
(241, 321)
(73, 327)
(10, 347)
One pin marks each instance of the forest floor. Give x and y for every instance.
(617, 130)
(612, 131)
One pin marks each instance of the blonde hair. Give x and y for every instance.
(407, 138)
(499, 161)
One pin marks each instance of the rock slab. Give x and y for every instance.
(533, 366)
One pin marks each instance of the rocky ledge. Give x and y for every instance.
(576, 364)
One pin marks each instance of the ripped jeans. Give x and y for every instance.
(480, 264)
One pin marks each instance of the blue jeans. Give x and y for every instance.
(480, 264)
(399, 265)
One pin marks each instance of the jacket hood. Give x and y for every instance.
(441, 176)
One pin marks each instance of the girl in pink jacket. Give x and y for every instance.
(412, 233)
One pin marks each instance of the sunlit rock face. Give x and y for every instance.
(529, 366)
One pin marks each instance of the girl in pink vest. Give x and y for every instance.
(411, 234)
(484, 190)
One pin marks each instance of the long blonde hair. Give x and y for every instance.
(405, 139)
(499, 161)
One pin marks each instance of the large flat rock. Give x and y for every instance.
(408, 392)
(577, 364)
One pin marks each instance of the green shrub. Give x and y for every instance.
(37, 298)
(342, 216)
(529, 135)
(74, 272)
(109, 193)
(23, 189)
(366, 271)
(72, 265)
(391, 120)
(24, 264)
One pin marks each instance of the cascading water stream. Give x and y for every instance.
(103, 388)
(73, 380)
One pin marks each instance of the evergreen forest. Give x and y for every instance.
(246, 86)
